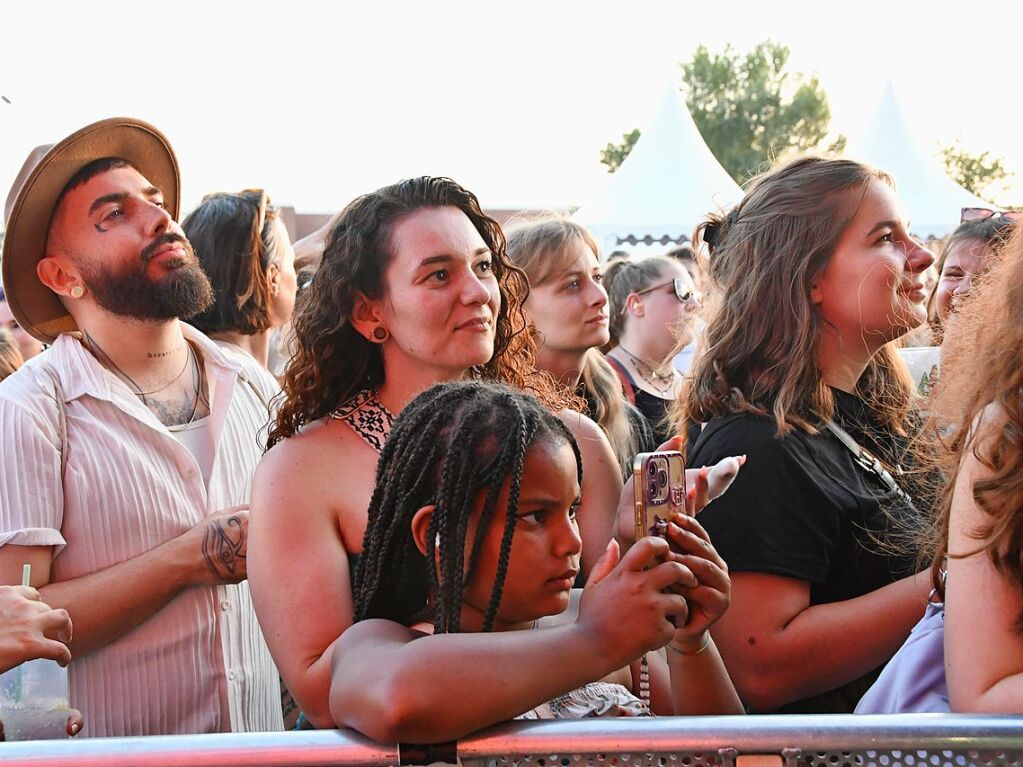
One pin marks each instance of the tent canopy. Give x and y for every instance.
(666, 185)
(932, 200)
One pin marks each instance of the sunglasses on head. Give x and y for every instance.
(982, 214)
(683, 292)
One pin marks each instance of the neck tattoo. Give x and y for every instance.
(107, 362)
(156, 355)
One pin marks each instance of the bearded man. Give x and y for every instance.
(129, 445)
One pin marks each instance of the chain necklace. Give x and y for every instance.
(107, 362)
(659, 382)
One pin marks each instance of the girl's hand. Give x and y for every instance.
(630, 607)
(709, 598)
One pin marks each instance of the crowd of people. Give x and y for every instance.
(382, 478)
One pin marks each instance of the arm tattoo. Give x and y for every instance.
(222, 547)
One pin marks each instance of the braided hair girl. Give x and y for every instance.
(449, 443)
(471, 544)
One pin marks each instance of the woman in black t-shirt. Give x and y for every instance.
(815, 274)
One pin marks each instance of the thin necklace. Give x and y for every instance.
(662, 382)
(104, 358)
(198, 378)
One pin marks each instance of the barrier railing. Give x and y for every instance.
(755, 741)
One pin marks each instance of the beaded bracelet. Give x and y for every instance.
(706, 641)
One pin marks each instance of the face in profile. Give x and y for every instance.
(872, 288)
(665, 315)
(964, 261)
(130, 255)
(544, 557)
(441, 297)
(570, 307)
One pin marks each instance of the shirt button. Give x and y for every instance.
(225, 605)
(230, 675)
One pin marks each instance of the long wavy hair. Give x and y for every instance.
(760, 345)
(541, 248)
(982, 377)
(332, 361)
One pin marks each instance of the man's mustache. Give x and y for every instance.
(164, 239)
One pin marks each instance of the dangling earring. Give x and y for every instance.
(77, 291)
(380, 334)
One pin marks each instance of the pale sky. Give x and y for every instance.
(320, 102)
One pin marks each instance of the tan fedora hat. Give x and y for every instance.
(45, 175)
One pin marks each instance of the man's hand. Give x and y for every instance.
(30, 628)
(221, 542)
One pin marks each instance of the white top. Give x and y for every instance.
(197, 438)
(200, 664)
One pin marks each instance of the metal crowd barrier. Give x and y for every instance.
(920, 740)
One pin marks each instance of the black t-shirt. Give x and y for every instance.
(801, 507)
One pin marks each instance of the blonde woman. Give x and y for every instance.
(569, 310)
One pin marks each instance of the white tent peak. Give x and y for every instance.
(932, 200)
(666, 185)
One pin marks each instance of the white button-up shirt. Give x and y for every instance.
(200, 664)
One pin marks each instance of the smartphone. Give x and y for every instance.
(660, 486)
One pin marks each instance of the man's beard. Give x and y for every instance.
(182, 293)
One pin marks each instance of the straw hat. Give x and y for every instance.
(33, 198)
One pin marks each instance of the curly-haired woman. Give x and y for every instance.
(414, 289)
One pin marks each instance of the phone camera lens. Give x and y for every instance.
(652, 490)
(662, 478)
(651, 469)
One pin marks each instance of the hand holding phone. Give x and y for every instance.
(659, 482)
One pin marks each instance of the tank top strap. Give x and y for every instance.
(367, 417)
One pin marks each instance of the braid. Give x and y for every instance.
(452, 443)
(454, 501)
(517, 457)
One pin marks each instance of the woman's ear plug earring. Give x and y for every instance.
(380, 334)
(77, 291)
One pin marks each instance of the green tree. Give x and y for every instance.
(975, 172)
(749, 109)
(614, 155)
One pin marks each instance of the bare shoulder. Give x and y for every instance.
(325, 469)
(324, 441)
(318, 458)
(583, 427)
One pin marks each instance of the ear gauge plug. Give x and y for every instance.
(77, 291)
